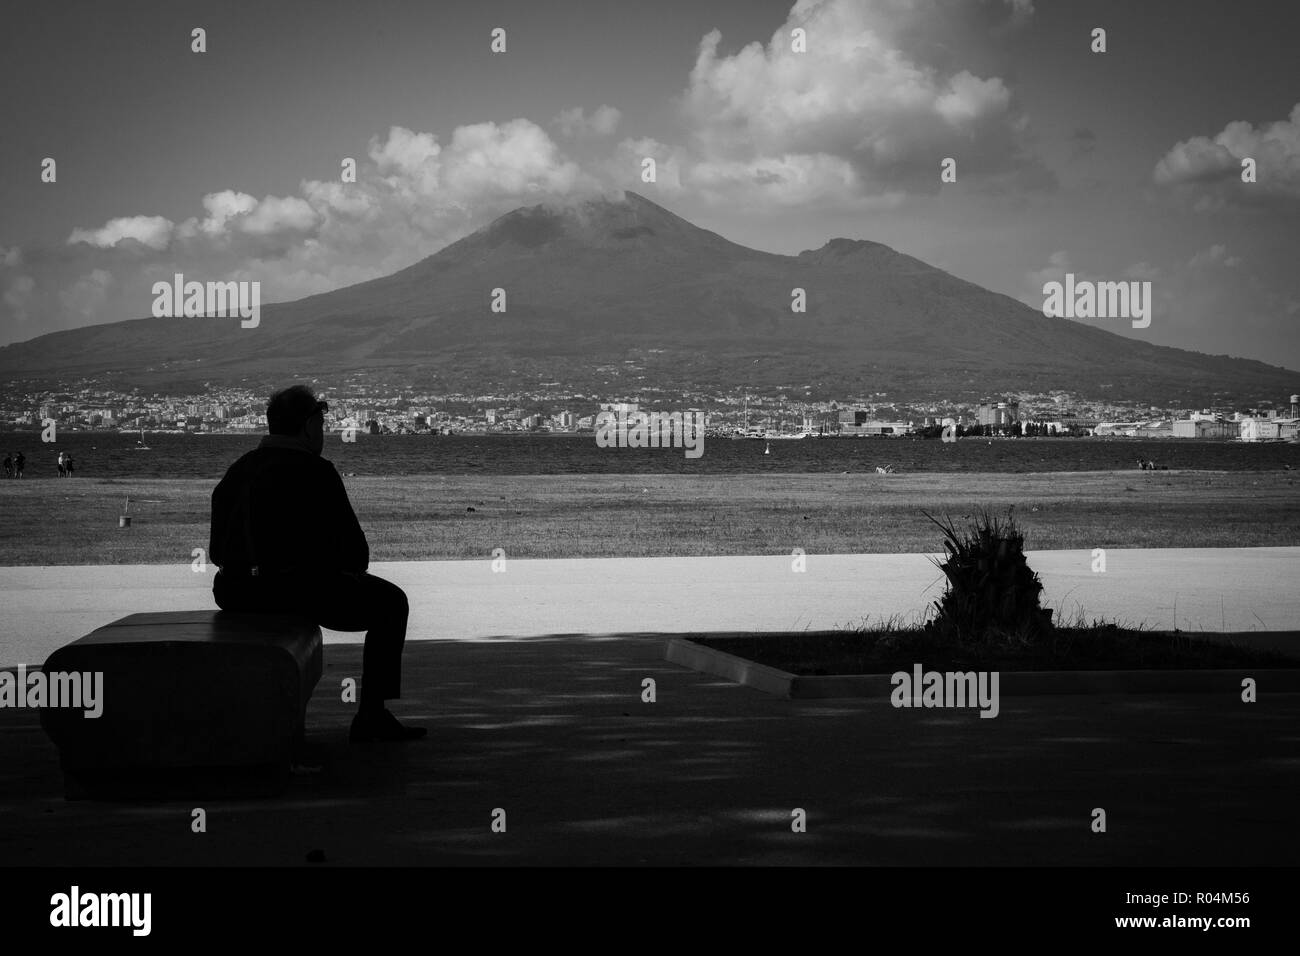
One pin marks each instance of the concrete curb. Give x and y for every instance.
(780, 683)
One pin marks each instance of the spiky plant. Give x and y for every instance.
(992, 593)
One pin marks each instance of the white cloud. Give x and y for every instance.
(221, 207)
(231, 212)
(153, 231)
(968, 99)
(413, 195)
(864, 93)
(515, 158)
(859, 121)
(627, 163)
(274, 214)
(1203, 163)
(408, 159)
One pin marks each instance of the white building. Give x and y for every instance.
(1270, 429)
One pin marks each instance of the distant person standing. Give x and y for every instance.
(63, 469)
(67, 463)
(19, 462)
(9, 466)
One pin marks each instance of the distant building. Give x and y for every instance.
(855, 421)
(1158, 429)
(1206, 428)
(1270, 429)
(853, 418)
(1125, 429)
(819, 423)
(1273, 427)
(1000, 415)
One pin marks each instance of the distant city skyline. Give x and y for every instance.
(1114, 166)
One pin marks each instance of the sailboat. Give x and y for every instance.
(139, 444)
(767, 449)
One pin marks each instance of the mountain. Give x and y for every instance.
(610, 297)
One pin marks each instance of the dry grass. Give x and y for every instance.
(565, 516)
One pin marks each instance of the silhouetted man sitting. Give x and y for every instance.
(286, 539)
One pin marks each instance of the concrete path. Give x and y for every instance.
(555, 734)
(1229, 589)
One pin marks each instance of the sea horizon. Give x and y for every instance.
(118, 455)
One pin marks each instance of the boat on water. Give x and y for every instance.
(139, 443)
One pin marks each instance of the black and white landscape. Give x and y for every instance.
(749, 433)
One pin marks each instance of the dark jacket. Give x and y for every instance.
(283, 508)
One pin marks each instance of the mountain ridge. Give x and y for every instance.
(628, 285)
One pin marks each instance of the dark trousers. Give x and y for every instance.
(339, 601)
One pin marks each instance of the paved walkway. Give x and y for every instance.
(555, 733)
(530, 681)
(1232, 589)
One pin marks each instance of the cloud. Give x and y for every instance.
(1212, 167)
(274, 214)
(629, 158)
(876, 89)
(1058, 264)
(413, 195)
(221, 207)
(88, 294)
(18, 296)
(575, 123)
(967, 99)
(408, 160)
(516, 158)
(860, 121)
(152, 231)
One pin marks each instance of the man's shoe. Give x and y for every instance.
(381, 726)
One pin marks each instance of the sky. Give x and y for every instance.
(1122, 165)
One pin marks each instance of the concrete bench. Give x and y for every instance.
(186, 690)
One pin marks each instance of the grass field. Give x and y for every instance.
(75, 521)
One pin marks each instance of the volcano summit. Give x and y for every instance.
(614, 295)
